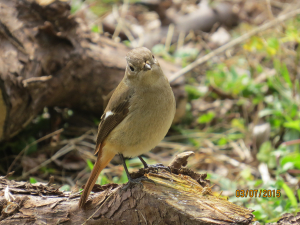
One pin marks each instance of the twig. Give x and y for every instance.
(190, 36)
(292, 142)
(119, 25)
(246, 150)
(180, 40)
(143, 217)
(120, 19)
(238, 150)
(90, 134)
(31, 144)
(269, 9)
(12, 39)
(36, 79)
(234, 42)
(201, 135)
(127, 32)
(169, 37)
(58, 154)
(273, 2)
(69, 145)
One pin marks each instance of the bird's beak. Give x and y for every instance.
(147, 66)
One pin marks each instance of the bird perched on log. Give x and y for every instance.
(137, 117)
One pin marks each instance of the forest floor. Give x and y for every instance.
(242, 116)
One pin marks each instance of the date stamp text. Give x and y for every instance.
(255, 193)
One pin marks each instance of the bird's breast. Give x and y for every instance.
(148, 121)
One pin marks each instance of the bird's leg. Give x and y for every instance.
(131, 181)
(144, 163)
(125, 167)
(155, 166)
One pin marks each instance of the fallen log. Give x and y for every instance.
(49, 57)
(177, 197)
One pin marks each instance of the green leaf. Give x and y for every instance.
(255, 43)
(189, 53)
(75, 7)
(246, 174)
(194, 142)
(32, 180)
(273, 43)
(272, 46)
(286, 76)
(258, 183)
(295, 124)
(158, 49)
(95, 29)
(266, 155)
(192, 92)
(292, 158)
(277, 64)
(297, 86)
(238, 123)
(259, 68)
(266, 112)
(234, 74)
(104, 180)
(206, 118)
(235, 136)
(290, 194)
(65, 187)
(222, 141)
(123, 178)
(90, 164)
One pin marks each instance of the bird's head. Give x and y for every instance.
(142, 67)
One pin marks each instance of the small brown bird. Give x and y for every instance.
(137, 117)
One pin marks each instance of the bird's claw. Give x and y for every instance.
(132, 182)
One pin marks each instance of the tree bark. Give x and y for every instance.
(180, 197)
(49, 57)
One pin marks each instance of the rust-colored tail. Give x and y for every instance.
(104, 157)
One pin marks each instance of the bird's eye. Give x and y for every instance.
(131, 68)
(152, 56)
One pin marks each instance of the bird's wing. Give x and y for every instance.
(116, 110)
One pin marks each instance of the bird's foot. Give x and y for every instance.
(132, 182)
(159, 166)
